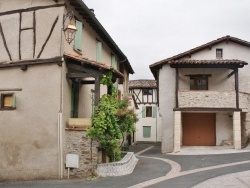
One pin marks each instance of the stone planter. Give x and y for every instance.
(119, 168)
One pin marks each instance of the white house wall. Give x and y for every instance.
(166, 104)
(231, 50)
(154, 123)
(218, 82)
(224, 128)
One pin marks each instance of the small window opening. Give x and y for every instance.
(219, 53)
(147, 91)
(148, 111)
(8, 101)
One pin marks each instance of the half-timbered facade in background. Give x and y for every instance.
(49, 85)
(204, 95)
(148, 127)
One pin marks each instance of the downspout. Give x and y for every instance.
(59, 117)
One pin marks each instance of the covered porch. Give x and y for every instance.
(86, 73)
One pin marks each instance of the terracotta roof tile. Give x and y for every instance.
(92, 63)
(142, 84)
(194, 50)
(212, 61)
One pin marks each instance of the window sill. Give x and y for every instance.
(7, 109)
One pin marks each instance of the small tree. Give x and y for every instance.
(111, 119)
(126, 118)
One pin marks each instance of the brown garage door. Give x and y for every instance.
(198, 129)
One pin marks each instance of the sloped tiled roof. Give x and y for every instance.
(142, 84)
(176, 59)
(227, 38)
(91, 63)
(213, 61)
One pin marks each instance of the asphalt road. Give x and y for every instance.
(153, 170)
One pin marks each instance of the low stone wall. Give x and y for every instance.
(78, 143)
(119, 168)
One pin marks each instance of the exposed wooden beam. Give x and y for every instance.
(85, 82)
(82, 69)
(32, 62)
(237, 88)
(207, 109)
(206, 66)
(31, 9)
(97, 90)
(177, 88)
(232, 73)
(81, 75)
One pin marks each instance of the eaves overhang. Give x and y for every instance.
(70, 58)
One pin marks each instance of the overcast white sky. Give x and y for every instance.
(148, 31)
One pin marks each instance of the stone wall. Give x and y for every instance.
(210, 99)
(78, 143)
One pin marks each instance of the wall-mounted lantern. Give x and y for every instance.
(70, 29)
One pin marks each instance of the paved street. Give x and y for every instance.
(199, 168)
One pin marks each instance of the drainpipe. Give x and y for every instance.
(60, 146)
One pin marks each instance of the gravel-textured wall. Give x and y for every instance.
(78, 143)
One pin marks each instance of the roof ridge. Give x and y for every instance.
(208, 44)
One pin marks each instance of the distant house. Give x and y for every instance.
(204, 95)
(148, 127)
(49, 86)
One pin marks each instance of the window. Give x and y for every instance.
(99, 51)
(146, 131)
(219, 53)
(74, 99)
(78, 37)
(199, 82)
(113, 61)
(149, 111)
(8, 101)
(147, 91)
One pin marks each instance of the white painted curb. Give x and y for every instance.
(119, 168)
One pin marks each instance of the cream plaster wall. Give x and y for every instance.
(224, 127)
(166, 104)
(29, 133)
(217, 82)
(44, 20)
(231, 50)
(7, 5)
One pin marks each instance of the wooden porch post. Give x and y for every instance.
(176, 88)
(97, 89)
(237, 88)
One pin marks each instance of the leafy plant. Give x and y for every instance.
(111, 120)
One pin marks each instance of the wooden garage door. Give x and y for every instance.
(198, 129)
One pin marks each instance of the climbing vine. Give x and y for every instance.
(111, 120)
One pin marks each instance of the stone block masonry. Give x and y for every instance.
(78, 143)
